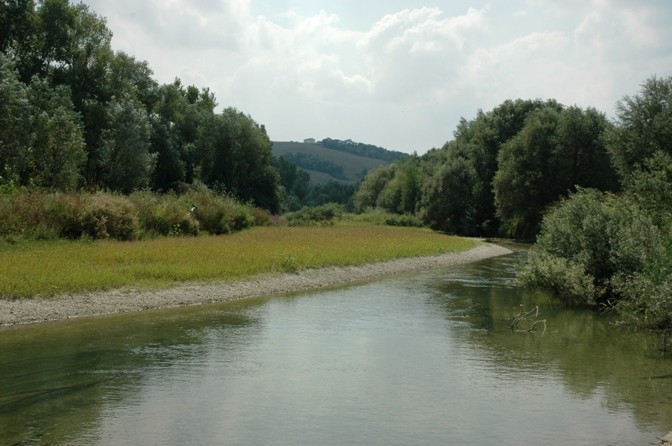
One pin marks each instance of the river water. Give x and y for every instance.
(419, 359)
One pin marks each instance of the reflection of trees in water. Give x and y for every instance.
(56, 379)
(583, 348)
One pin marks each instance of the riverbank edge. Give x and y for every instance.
(101, 303)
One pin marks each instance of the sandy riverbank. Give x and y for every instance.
(25, 311)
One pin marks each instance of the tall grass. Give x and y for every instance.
(44, 215)
(53, 267)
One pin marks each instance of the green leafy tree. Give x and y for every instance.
(295, 184)
(126, 146)
(643, 127)
(237, 158)
(15, 120)
(521, 183)
(372, 186)
(556, 150)
(401, 193)
(447, 196)
(650, 188)
(57, 151)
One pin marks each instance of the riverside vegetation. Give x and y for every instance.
(31, 268)
(77, 116)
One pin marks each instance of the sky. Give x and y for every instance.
(399, 74)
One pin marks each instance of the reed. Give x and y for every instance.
(49, 268)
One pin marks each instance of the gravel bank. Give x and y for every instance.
(26, 311)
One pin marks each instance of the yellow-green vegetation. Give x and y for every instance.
(53, 267)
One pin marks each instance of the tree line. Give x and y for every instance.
(594, 193)
(500, 172)
(76, 114)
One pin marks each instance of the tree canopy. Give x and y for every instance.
(74, 113)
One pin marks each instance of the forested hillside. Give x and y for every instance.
(328, 164)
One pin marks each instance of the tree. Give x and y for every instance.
(521, 183)
(126, 146)
(236, 157)
(15, 121)
(58, 150)
(447, 196)
(556, 150)
(644, 126)
(649, 187)
(41, 139)
(477, 143)
(295, 184)
(371, 187)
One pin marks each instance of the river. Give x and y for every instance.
(423, 359)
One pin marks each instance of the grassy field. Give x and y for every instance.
(49, 268)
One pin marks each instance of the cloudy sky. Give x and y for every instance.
(394, 73)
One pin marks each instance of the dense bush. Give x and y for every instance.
(592, 235)
(48, 215)
(379, 216)
(319, 215)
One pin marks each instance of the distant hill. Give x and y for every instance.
(334, 160)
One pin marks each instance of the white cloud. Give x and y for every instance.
(404, 80)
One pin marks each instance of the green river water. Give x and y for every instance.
(419, 359)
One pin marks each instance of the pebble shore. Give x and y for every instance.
(69, 306)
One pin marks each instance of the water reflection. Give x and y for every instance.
(584, 350)
(419, 359)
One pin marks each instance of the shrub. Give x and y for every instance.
(219, 214)
(164, 214)
(99, 216)
(568, 279)
(380, 216)
(318, 215)
(597, 234)
(46, 215)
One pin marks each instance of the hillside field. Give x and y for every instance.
(354, 166)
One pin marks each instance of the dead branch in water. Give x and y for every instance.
(527, 316)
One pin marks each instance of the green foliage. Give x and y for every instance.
(447, 197)
(165, 215)
(319, 215)
(647, 295)
(371, 187)
(378, 216)
(565, 277)
(593, 233)
(237, 158)
(644, 126)
(456, 193)
(402, 192)
(39, 214)
(219, 214)
(126, 145)
(649, 186)
(74, 113)
(557, 150)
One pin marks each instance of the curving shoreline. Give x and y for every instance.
(100, 303)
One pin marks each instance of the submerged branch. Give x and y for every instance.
(525, 316)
